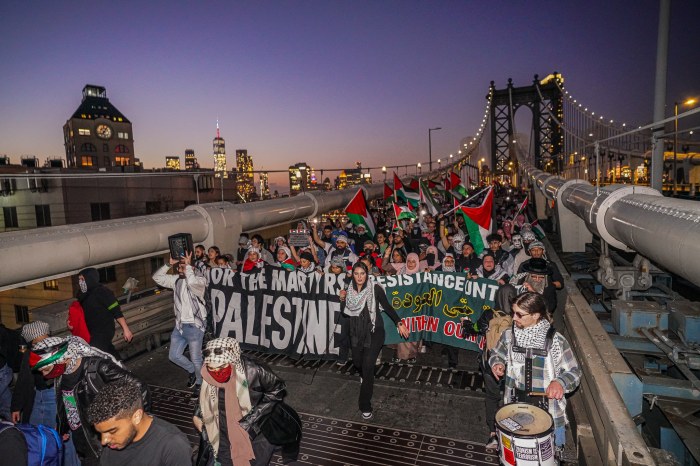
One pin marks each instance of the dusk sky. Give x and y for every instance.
(328, 83)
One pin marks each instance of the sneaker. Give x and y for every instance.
(367, 416)
(492, 442)
(395, 360)
(423, 349)
(192, 380)
(411, 361)
(378, 362)
(195, 391)
(340, 363)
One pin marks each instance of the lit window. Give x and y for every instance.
(84, 132)
(87, 161)
(51, 285)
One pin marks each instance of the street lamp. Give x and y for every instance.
(479, 162)
(430, 147)
(690, 101)
(419, 168)
(384, 172)
(439, 163)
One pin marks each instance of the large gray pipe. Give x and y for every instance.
(665, 230)
(41, 254)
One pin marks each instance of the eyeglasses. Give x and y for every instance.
(520, 315)
(215, 351)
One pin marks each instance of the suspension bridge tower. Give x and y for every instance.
(545, 100)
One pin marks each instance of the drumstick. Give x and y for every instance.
(537, 394)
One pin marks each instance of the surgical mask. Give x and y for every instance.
(82, 285)
(222, 375)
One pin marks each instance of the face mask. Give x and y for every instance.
(368, 251)
(58, 370)
(82, 285)
(430, 258)
(223, 375)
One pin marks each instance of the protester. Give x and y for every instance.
(237, 394)
(554, 369)
(362, 302)
(132, 436)
(80, 370)
(101, 310)
(190, 316)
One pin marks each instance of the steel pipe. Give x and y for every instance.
(48, 253)
(664, 230)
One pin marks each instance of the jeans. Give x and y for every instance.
(5, 394)
(44, 410)
(193, 337)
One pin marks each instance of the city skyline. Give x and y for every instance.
(331, 84)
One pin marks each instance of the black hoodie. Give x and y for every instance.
(101, 310)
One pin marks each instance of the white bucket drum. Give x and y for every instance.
(525, 435)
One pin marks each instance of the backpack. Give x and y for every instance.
(9, 346)
(44, 446)
(497, 325)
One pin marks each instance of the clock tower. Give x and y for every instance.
(98, 135)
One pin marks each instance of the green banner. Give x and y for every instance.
(432, 303)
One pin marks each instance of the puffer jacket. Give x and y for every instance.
(97, 373)
(265, 388)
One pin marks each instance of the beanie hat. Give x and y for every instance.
(34, 330)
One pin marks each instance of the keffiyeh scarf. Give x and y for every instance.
(355, 302)
(220, 352)
(64, 351)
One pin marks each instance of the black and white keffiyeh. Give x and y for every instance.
(355, 302)
(68, 351)
(534, 337)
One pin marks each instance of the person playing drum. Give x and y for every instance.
(537, 361)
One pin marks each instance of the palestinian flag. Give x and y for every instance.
(404, 194)
(388, 192)
(413, 185)
(457, 186)
(358, 213)
(537, 229)
(478, 221)
(403, 213)
(427, 199)
(522, 208)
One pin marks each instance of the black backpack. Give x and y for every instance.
(10, 340)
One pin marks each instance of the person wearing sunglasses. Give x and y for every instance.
(537, 362)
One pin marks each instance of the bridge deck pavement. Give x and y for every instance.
(443, 425)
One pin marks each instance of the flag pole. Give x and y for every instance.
(466, 200)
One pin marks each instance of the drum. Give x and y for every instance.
(525, 435)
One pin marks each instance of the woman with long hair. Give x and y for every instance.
(362, 303)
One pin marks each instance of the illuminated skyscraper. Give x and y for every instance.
(244, 169)
(190, 160)
(172, 162)
(301, 178)
(264, 186)
(219, 154)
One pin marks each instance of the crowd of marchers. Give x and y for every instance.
(101, 412)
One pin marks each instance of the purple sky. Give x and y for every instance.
(323, 82)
